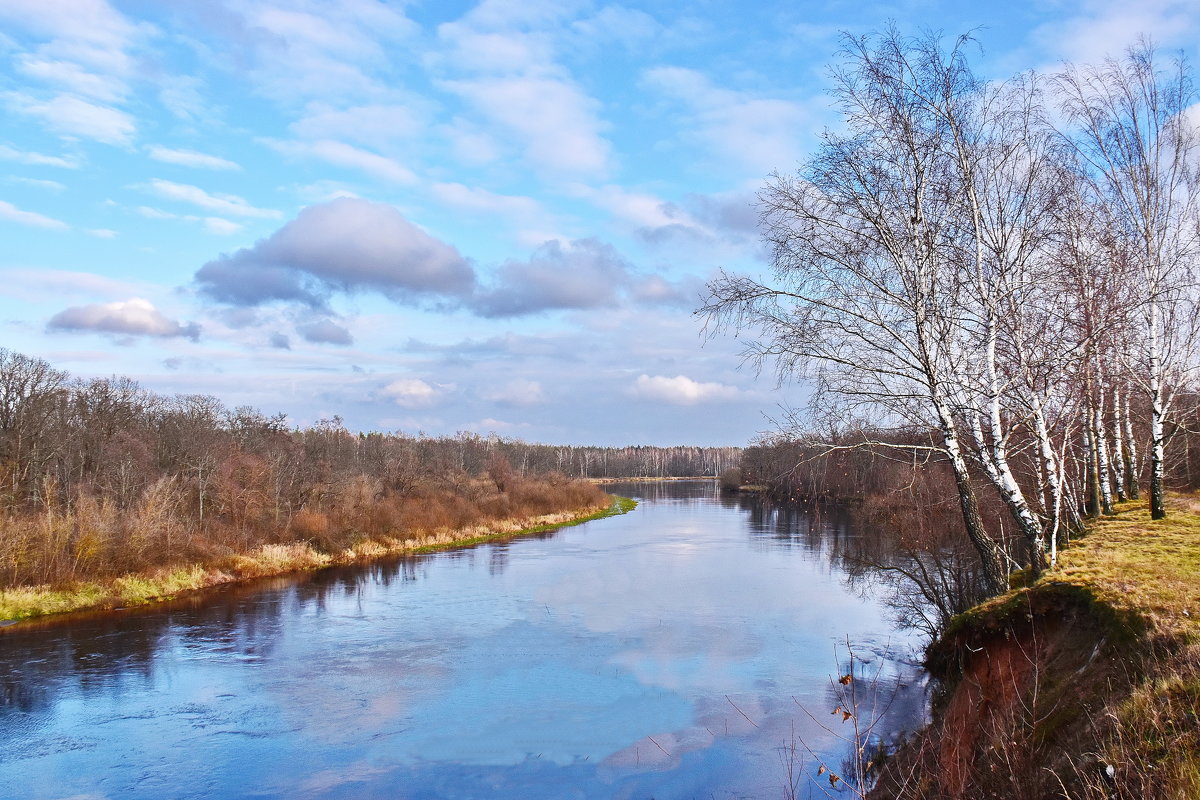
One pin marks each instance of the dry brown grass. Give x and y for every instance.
(93, 542)
(162, 583)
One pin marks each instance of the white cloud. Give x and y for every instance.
(102, 233)
(215, 225)
(412, 393)
(325, 331)
(376, 125)
(491, 425)
(345, 245)
(680, 390)
(41, 285)
(759, 133)
(470, 143)
(181, 95)
(84, 53)
(553, 118)
(476, 199)
(74, 78)
(13, 214)
(135, 316)
(495, 51)
(635, 208)
(584, 274)
(81, 25)
(155, 213)
(316, 51)
(625, 26)
(190, 158)
(1106, 27)
(518, 14)
(40, 183)
(70, 116)
(344, 155)
(323, 191)
(504, 56)
(221, 226)
(37, 159)
(222, 203)
(519, 392)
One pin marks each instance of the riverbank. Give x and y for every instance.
(25, 603)
(1085, 684)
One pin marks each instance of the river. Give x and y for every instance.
(683, 650)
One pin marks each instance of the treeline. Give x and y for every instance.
(636, 461)
(100, 477)
(1007, 268)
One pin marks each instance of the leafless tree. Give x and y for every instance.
(30, 393)
(867, 291)
(1130, 126)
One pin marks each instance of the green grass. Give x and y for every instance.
(1132, 573)
(620, 505)
(1149, 567)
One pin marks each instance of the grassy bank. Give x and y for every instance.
(1147, 570)
(27, 602)
(1084, 684)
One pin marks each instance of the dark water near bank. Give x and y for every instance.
(667, 653)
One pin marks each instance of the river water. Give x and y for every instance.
(684, 650)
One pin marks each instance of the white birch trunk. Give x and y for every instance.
(991, 557)
(1102, 465)
(1132, 465)
(993, 458)
(1092, 486)
(1053, 477)
(1158, 509)
(1118, 454)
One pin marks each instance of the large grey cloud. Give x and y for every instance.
(347, 244)
(705, 219)
(325, 331)
(584, 274)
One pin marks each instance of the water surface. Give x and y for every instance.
(682, 650)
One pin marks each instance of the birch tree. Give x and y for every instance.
(1130, 127)
(865, 293)
(1011, 171)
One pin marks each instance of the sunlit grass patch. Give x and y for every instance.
(1149, 566)
(542, 524)
(23, 602)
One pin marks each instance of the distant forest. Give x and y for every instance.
(101, 476)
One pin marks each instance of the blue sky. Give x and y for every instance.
(436, 217)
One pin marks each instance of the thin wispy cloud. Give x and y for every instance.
(73, 117)
(680, 390)
(33, 219)
(191, 158)
(37, 159)
(222, 203)
(344, 155)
